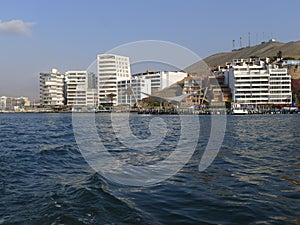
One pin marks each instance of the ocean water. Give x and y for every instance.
(255, 178)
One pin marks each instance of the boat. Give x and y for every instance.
(237, 109)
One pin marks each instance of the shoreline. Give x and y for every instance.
(163, 112)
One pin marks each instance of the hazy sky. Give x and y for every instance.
(37, 35)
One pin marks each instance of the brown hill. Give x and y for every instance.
(268, 49)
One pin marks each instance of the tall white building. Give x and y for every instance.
(162, 79)
(52, 88)
(111, 69)
(131, 91)
(255, 82)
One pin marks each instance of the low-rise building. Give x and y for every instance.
(161, 79)
(12, 104)
(192, 85)
(133, 90)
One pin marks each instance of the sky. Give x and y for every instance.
(37, 35)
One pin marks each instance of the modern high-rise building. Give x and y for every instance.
(255, 82)
(52, 87)
(111, 69)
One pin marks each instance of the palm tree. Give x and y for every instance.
(111, 97)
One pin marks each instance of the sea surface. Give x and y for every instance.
(255, 178)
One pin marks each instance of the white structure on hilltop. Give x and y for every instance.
(52, 88)
(162, 79)
(131, 91)
(81, 89)
(111, 69)
(255, 82)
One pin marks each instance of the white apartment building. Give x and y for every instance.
(76, 88)
(81, 89)
(162, 79)
(280, 86)
(254, 82)
(6, 103)
(131, 91)
(52, 88)
(111, 69)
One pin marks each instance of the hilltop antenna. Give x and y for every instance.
(256, 38)
(240, 41)
(272, 37)
(249, 39)
(233, 44)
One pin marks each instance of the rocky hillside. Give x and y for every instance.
(268, 49)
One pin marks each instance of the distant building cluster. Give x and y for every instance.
(112, 85)
(250, 81)
(13, 104)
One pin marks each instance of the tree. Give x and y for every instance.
(279, 54)
(111, 97)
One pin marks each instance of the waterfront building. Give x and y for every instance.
(81, 89)
(161, 79)
(6, 103)
(22, 101)
(111, 69)
(92, 91)
(52, 88)
(205, 90)
(255, 82)
(133, 90)
(11, 103)
(219, 89)
(192, 85)
(76, 82)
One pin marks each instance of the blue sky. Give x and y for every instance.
(36, 36)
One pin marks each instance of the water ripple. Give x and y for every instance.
(254, 180)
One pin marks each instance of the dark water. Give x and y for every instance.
(255, 179)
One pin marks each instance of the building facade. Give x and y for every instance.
(255, 82)
(111, 69)
(52, 88)
(161, 79)
(131, 91)
(193, 86)
(12, 104)
(76, 88)
(81, 89)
